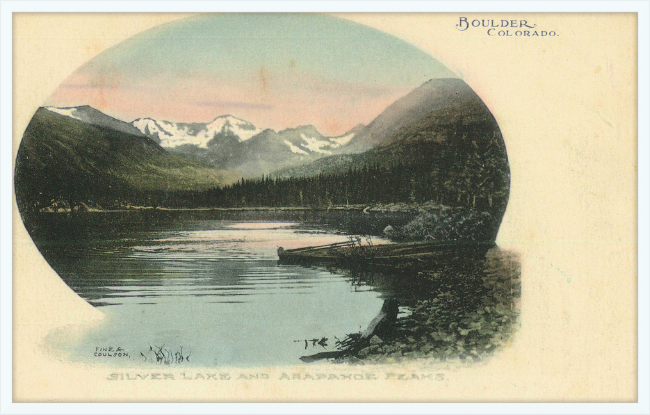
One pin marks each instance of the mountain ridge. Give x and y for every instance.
(407, 109)
(93, 116)
(227, 142)
(442, 135)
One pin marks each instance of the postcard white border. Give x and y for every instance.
(7, 8)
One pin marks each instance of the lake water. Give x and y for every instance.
(207, 286)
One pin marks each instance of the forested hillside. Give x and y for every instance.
(439, 144)
(65, 162)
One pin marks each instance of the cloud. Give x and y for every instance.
(97, 86)
(357, 90)
(231, 104)
(105, 87)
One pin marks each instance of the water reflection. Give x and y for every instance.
(211, 285)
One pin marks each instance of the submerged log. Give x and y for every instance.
(380, 327)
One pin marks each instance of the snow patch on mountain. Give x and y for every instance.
(294, 149)
(68, 112)
(315, 145)
(342, 140)
(150, 126)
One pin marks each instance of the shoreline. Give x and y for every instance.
(454, 324)
(375, 208)
(421, 336)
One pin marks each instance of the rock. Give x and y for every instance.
(364, 352)
(389, 230)
(426, 349)
(375, 340)
(390, 349)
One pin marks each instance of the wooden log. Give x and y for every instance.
(310, 248)
(379, 326)
(384, 254)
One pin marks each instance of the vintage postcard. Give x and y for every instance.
(310, 207)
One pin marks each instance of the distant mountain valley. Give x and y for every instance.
(437, 144)
(227, 142)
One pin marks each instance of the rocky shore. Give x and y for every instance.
(469, 316)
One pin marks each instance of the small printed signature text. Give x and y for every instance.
(111, 351)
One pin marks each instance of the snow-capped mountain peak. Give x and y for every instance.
(306, 139)
(301, 140)
(226, 142)
(243, 129)
(173, 134)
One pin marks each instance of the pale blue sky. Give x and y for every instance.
(276, 70)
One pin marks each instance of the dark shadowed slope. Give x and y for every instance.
(62, 159)
(90, 115)
(437, 96)
(439, 143)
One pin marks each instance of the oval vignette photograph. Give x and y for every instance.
(246, 190)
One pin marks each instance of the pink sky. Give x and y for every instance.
(275, 70)
(278, 101)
